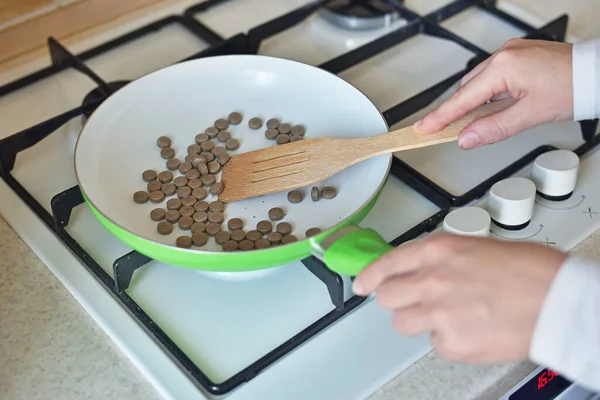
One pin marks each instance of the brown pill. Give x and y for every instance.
(183, 191)
(212, 228)
(173, 163)
(167, 153)
(285, 228)
(194, 149)
(198, 227)
(215, 217)
(235, 118)
(158, 214)
(221, 124)
(141, 197)
(149, 175)
(284, 128)
(216, 206)
(282, 138)
(223, 158)
(253, 235)
(222, 237)
(164, 228)
(154, 186)
(234, 224)
(217, 151)
(273, 123)
(295, 196)
(188, 200)
(200, 193)
(199, 239)
(185, 242)
(298, 130)
(246, 245)
(274, 237)
(187, 211)
(174, 204)
(201, 206)
(313, 232)
(200, 216)
(214, 167)
(212, 132)
(223, 136)
(185, 223)
(169, 189)
(232, 144)
(190, 157)
(207, 180)
(197, 161)
(276, 214)
(230, 245)
(165, 176)
(328, 192)
(315, 193)
(172, 216)
(195, 183)
(185, 167)
(209, 157)
(180, 181)
(264, 227)
(238, 235)
(192, 174)
(163, 141)
(203, 169)
(157, 196)
(255, 123)
(271, 134)
(262, 244)
(201, 138)
(296, 138)
(207, 146)
(288, 239)
(216, 188)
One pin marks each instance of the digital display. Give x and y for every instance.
(546, 385)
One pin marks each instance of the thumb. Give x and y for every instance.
(496, 127)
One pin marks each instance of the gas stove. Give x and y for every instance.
(296, 332)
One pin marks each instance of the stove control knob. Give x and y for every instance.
(511, 203)
(468, 221)
(555, 174)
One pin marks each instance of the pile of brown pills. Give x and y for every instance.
(283, 132)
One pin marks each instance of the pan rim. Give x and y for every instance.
(223, 254)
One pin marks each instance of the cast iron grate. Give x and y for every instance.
(249, 43)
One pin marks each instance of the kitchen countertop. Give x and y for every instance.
(51, 348)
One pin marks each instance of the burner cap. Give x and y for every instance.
(360, 14)
(97, 94)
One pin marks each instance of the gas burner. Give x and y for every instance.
(361, 14)
(97, 94)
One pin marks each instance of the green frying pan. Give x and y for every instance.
(118, 142)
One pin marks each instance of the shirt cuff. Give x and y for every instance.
(566, 337)
(586, 66)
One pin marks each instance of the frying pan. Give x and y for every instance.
(118, 142)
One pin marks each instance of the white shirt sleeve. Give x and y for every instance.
(566, 337)
(586, 80)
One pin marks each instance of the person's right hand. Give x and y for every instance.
(537, 74)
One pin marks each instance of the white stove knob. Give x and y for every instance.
(511, 203)
(555, 174)
(468, 221)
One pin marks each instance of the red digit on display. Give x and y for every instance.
(542, 380)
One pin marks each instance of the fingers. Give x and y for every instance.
(413, 320)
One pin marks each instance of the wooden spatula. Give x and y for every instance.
(306, 162)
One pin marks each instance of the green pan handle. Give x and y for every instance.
(351, 253)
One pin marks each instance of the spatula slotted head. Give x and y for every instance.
(277, 168)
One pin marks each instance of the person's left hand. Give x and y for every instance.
(478, 297)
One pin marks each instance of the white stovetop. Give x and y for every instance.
(367, 77)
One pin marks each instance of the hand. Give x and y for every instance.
(537, 74)
(478, 297)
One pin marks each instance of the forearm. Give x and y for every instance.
(567, 334)
(586, 80)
